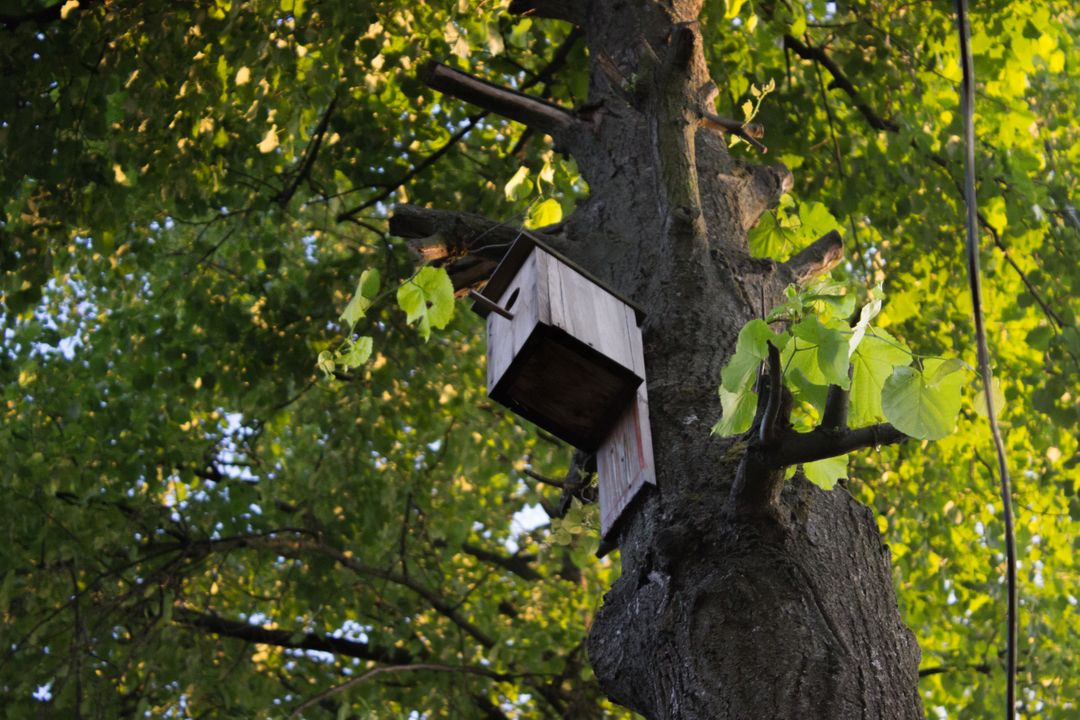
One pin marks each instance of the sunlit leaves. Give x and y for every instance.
(366, 290)
(427, 299)
(869, 362)
(872, 363)
(924, 403)
(737, 398)
(269, 141)
(826, 473)
(827, 344)
(790, 227)
(750, 349)
(543, 213)
(517, 188)
(737, 411)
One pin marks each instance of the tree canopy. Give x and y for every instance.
(247, 463)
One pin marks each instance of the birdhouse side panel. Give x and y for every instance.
(624, 461)
(589, 313)
(506, 337)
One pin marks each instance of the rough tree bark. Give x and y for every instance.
(741, 596)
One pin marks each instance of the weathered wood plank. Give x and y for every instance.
(624, 461)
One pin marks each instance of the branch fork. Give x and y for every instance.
(774, 445)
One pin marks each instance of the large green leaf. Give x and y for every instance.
(924, 404)
(366, 290)
(737, 411)
(750, 349)
(427, 299)
(826, 473)
(828, 344)
(872, 364)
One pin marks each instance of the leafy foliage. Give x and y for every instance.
(820, 350)
(190, 193)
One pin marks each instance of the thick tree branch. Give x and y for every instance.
(796, 448)
(528, 110)
(468, 246)
(809, 52)
(674, 125)
(288, 639)
(817, 258)
(572, 11)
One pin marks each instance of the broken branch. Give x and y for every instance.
(750, 132)
(836, 408)
(817, 258)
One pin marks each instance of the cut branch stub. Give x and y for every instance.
(750, 132)
(533, 112)
(817, 258)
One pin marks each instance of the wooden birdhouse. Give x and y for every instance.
(565, 352)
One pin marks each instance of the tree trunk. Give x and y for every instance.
(780, 606)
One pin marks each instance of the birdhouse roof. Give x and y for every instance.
(514, 258)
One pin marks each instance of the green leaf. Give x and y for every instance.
(517, 188)
(366, 290)
(737, 411)
(325, 362)
(732, 8)
(543, 214)
(356, 352)
(427, 299)
(924, 404)
(750, 349)
(872, 364)
(816, 220)
(825, 473)
(829, 345)
(998, 395)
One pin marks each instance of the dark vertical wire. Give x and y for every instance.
(974, 282)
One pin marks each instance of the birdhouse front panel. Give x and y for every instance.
(569, 357)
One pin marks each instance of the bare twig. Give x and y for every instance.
(304, 169)
(437, 667)
(809, 52)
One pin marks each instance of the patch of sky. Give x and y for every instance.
(309, 248)
(525, 520)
